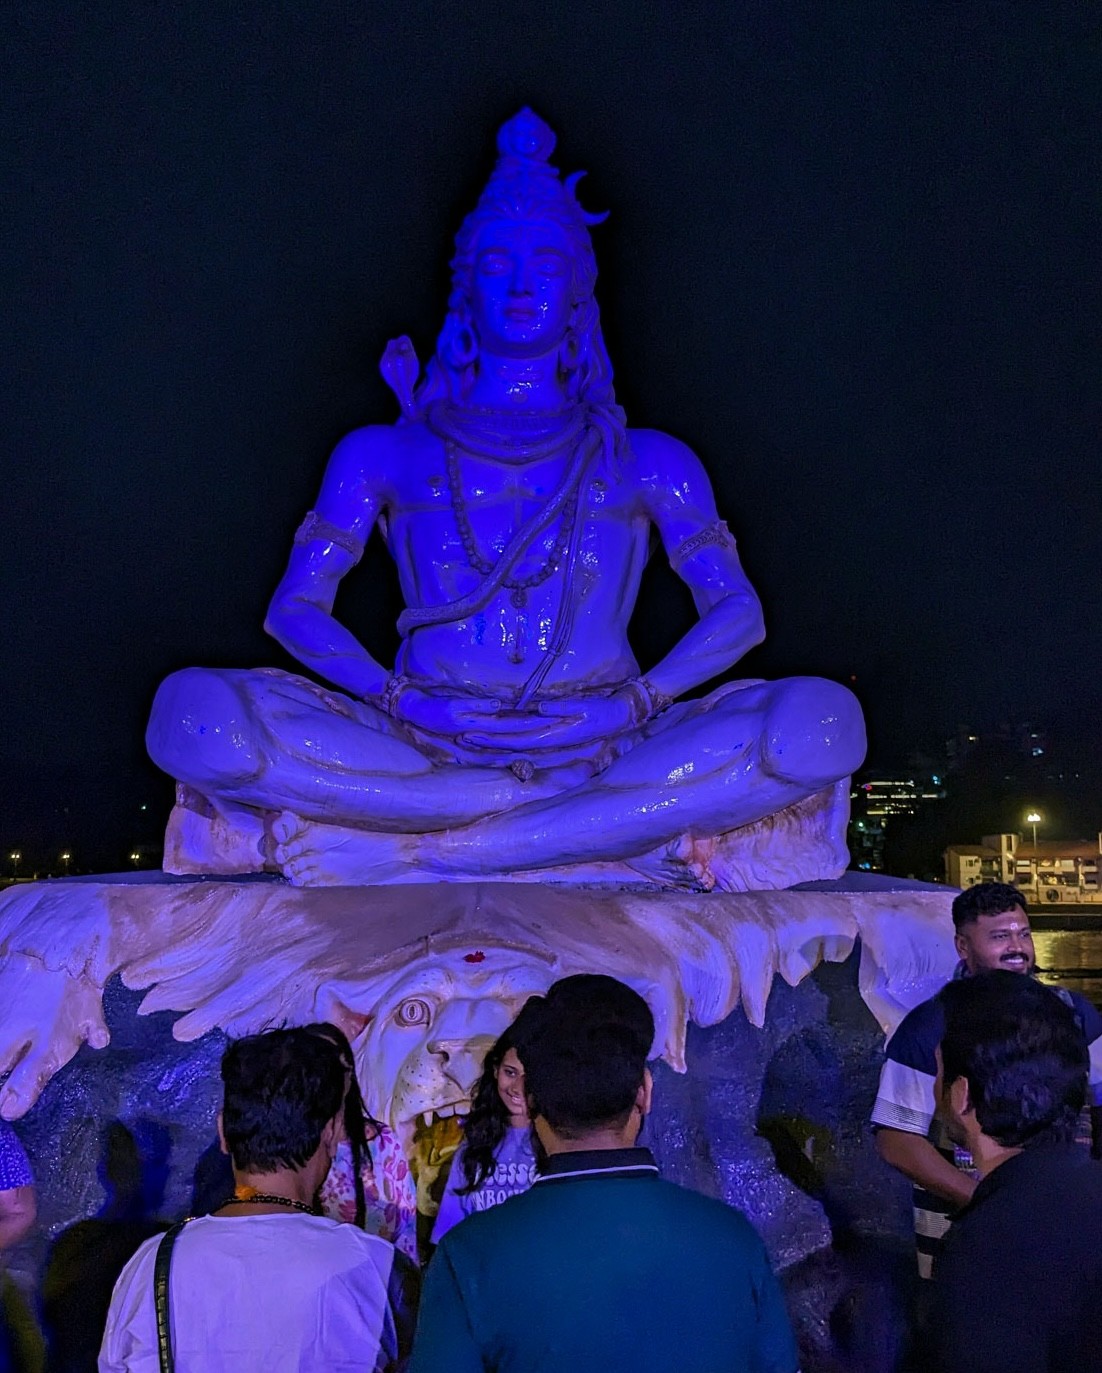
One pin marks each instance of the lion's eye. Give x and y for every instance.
(413, 1011)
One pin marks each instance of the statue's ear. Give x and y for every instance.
(329, 1006)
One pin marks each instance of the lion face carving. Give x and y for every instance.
(420, 1054)
(421, 1051)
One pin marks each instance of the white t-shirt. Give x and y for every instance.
(273, 1293)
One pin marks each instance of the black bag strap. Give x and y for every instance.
(160, 1296)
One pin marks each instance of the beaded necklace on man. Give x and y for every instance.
(249, 1196)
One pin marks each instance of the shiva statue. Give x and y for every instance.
(515, 735)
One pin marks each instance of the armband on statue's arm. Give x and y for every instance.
(712, 536)
(314, 529)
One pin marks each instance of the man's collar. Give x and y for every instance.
(1036, 1157)
(599, 1163)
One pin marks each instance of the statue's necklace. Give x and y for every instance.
(507, 435)
(518, 587)
(251, 1197)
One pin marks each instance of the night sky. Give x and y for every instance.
(852, 259)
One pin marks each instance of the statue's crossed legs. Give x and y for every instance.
(351, 797)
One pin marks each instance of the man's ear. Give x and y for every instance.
(222, 1135)
(331, 1135)
(960, 943)
(645, 1094)
(960, 1101)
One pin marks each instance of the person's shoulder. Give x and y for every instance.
(484, 1229)
(1089, 1015)
(362, 1251)
(138, 1268)
(918, 1034)
(707, 1214)
(329, 1232)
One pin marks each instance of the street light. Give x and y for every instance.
(1034, 819)
(16, 858)
(66, 858)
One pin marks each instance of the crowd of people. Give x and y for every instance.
(558, 1245)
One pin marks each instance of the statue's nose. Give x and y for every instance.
(521, 282)
(461, 1060)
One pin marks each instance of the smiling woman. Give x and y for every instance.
(498, 1156)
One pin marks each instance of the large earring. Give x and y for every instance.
(466, 348)
(462, 345)
(570, 351)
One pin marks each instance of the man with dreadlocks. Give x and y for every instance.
(515, 732)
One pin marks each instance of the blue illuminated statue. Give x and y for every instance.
(515, 735)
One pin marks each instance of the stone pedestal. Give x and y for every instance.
(761, 1097)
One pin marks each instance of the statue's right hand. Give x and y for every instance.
(447, 715)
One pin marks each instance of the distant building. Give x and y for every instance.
(1049, 871)
(874, 801)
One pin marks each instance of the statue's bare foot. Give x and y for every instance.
(312, 855)
(680, 865)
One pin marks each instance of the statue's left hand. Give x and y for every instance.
(555, 724)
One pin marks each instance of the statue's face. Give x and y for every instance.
(522, 287)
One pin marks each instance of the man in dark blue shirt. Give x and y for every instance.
(601, 1265)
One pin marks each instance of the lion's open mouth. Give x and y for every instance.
(430, 1141)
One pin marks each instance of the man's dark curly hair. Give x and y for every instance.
(585, 1054)
(986, 898)
(281, 1089)
(1022, 1051)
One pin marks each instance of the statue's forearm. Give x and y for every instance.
(715, 643)
(315, 638)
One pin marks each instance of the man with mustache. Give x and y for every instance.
(992, 932)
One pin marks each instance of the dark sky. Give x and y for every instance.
(853, 259)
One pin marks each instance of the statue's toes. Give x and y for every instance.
(286, 828)
(299, 872)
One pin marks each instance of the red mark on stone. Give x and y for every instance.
(477, 957)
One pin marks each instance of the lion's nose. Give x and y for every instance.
(461, 1060)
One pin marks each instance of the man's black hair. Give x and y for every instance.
(986, 898)
(1022, 1051)
(280, 1091)
(585, 1053)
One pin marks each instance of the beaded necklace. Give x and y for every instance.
(247, 1196)
(518, 587)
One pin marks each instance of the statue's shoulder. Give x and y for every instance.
(659, 457)
(376, 450)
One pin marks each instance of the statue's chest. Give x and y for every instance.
(497, 500)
